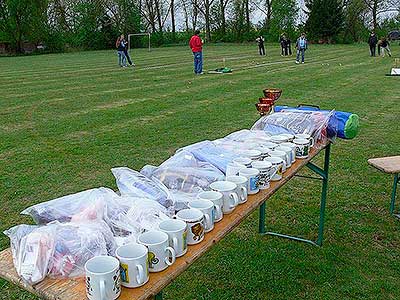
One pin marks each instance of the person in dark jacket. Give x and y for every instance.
(288, 43)
(260, 41)
(128, 57)
(372, 41)
(283, 44)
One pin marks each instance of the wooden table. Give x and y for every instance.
(75, 289)
(389, 165)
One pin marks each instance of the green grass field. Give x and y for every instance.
(66, 119)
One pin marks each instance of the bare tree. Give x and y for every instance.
(265, 6)
(204, 6)
(222, 6)
(378, 7)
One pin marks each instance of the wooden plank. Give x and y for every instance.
(51, 289)
(390, 164)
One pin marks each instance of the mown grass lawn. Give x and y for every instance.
(66, 119)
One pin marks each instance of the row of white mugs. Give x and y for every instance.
(158, 249)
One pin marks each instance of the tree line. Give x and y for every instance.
(59, 25)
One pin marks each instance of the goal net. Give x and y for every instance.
(139, 40)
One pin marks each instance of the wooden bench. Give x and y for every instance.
(74, 289)
(389, 165)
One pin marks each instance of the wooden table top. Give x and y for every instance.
(74, 289)
(390, 164)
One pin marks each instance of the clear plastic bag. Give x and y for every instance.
(32, 248)
(184, 173)
(130, 216)
(207, 151)
(58, 250)
(132, 183)
(83, 206)
(75, 244)
(313, 123)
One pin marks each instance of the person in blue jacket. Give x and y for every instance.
(301, 46)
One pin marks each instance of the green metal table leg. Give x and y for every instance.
(323, 196)
(158, 296)
(323, 173)
(261, 222)
(395, 182)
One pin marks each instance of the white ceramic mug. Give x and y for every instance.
(279, 138)
(265, 168)
(230, 198)
(233, 168)
(284, 156)
(264, 151)
(277, 165)
(288, 152)
(133, 263)
(293, 147)
(194, 219)
(241, 189)
(252, 180)
(161, 255)
(103, 280)
(270, 145)
(177, 235)
(243, 161)
(217, 199)
(302, 148)
(208, 210)
(307, 137)
(289, 136)
(252, 154)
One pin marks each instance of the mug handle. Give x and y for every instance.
(311, 141)
(207, 220)
(140, 277)
(235, 199)
(218, 210)
(103, 290)
(244, 191)
(175, 243)
(172, 251)
(284, 166)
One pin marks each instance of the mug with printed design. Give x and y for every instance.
(266, 172)
(208, 210)
(133, 265)
(194, 219)
(307, 137)
(302, 147)
(160, 255)
(289, 153)
(217, 199)
(284, 156)
(177, 235)
(103, 279)
(241, 189)
(252, 176)
(277, 165)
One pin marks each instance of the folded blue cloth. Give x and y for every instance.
(206, 151)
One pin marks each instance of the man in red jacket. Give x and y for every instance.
(196, 45)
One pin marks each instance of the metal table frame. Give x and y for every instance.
(396, 181)
(323, 173)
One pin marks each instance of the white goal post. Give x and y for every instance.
(138, 34)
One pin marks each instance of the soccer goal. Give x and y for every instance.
(139, 34)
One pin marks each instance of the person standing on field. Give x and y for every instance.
(372, 41)
(385, 47)
(196, 45)
(260, 41)
(301, 46)
(120, 45)
(282, 41)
